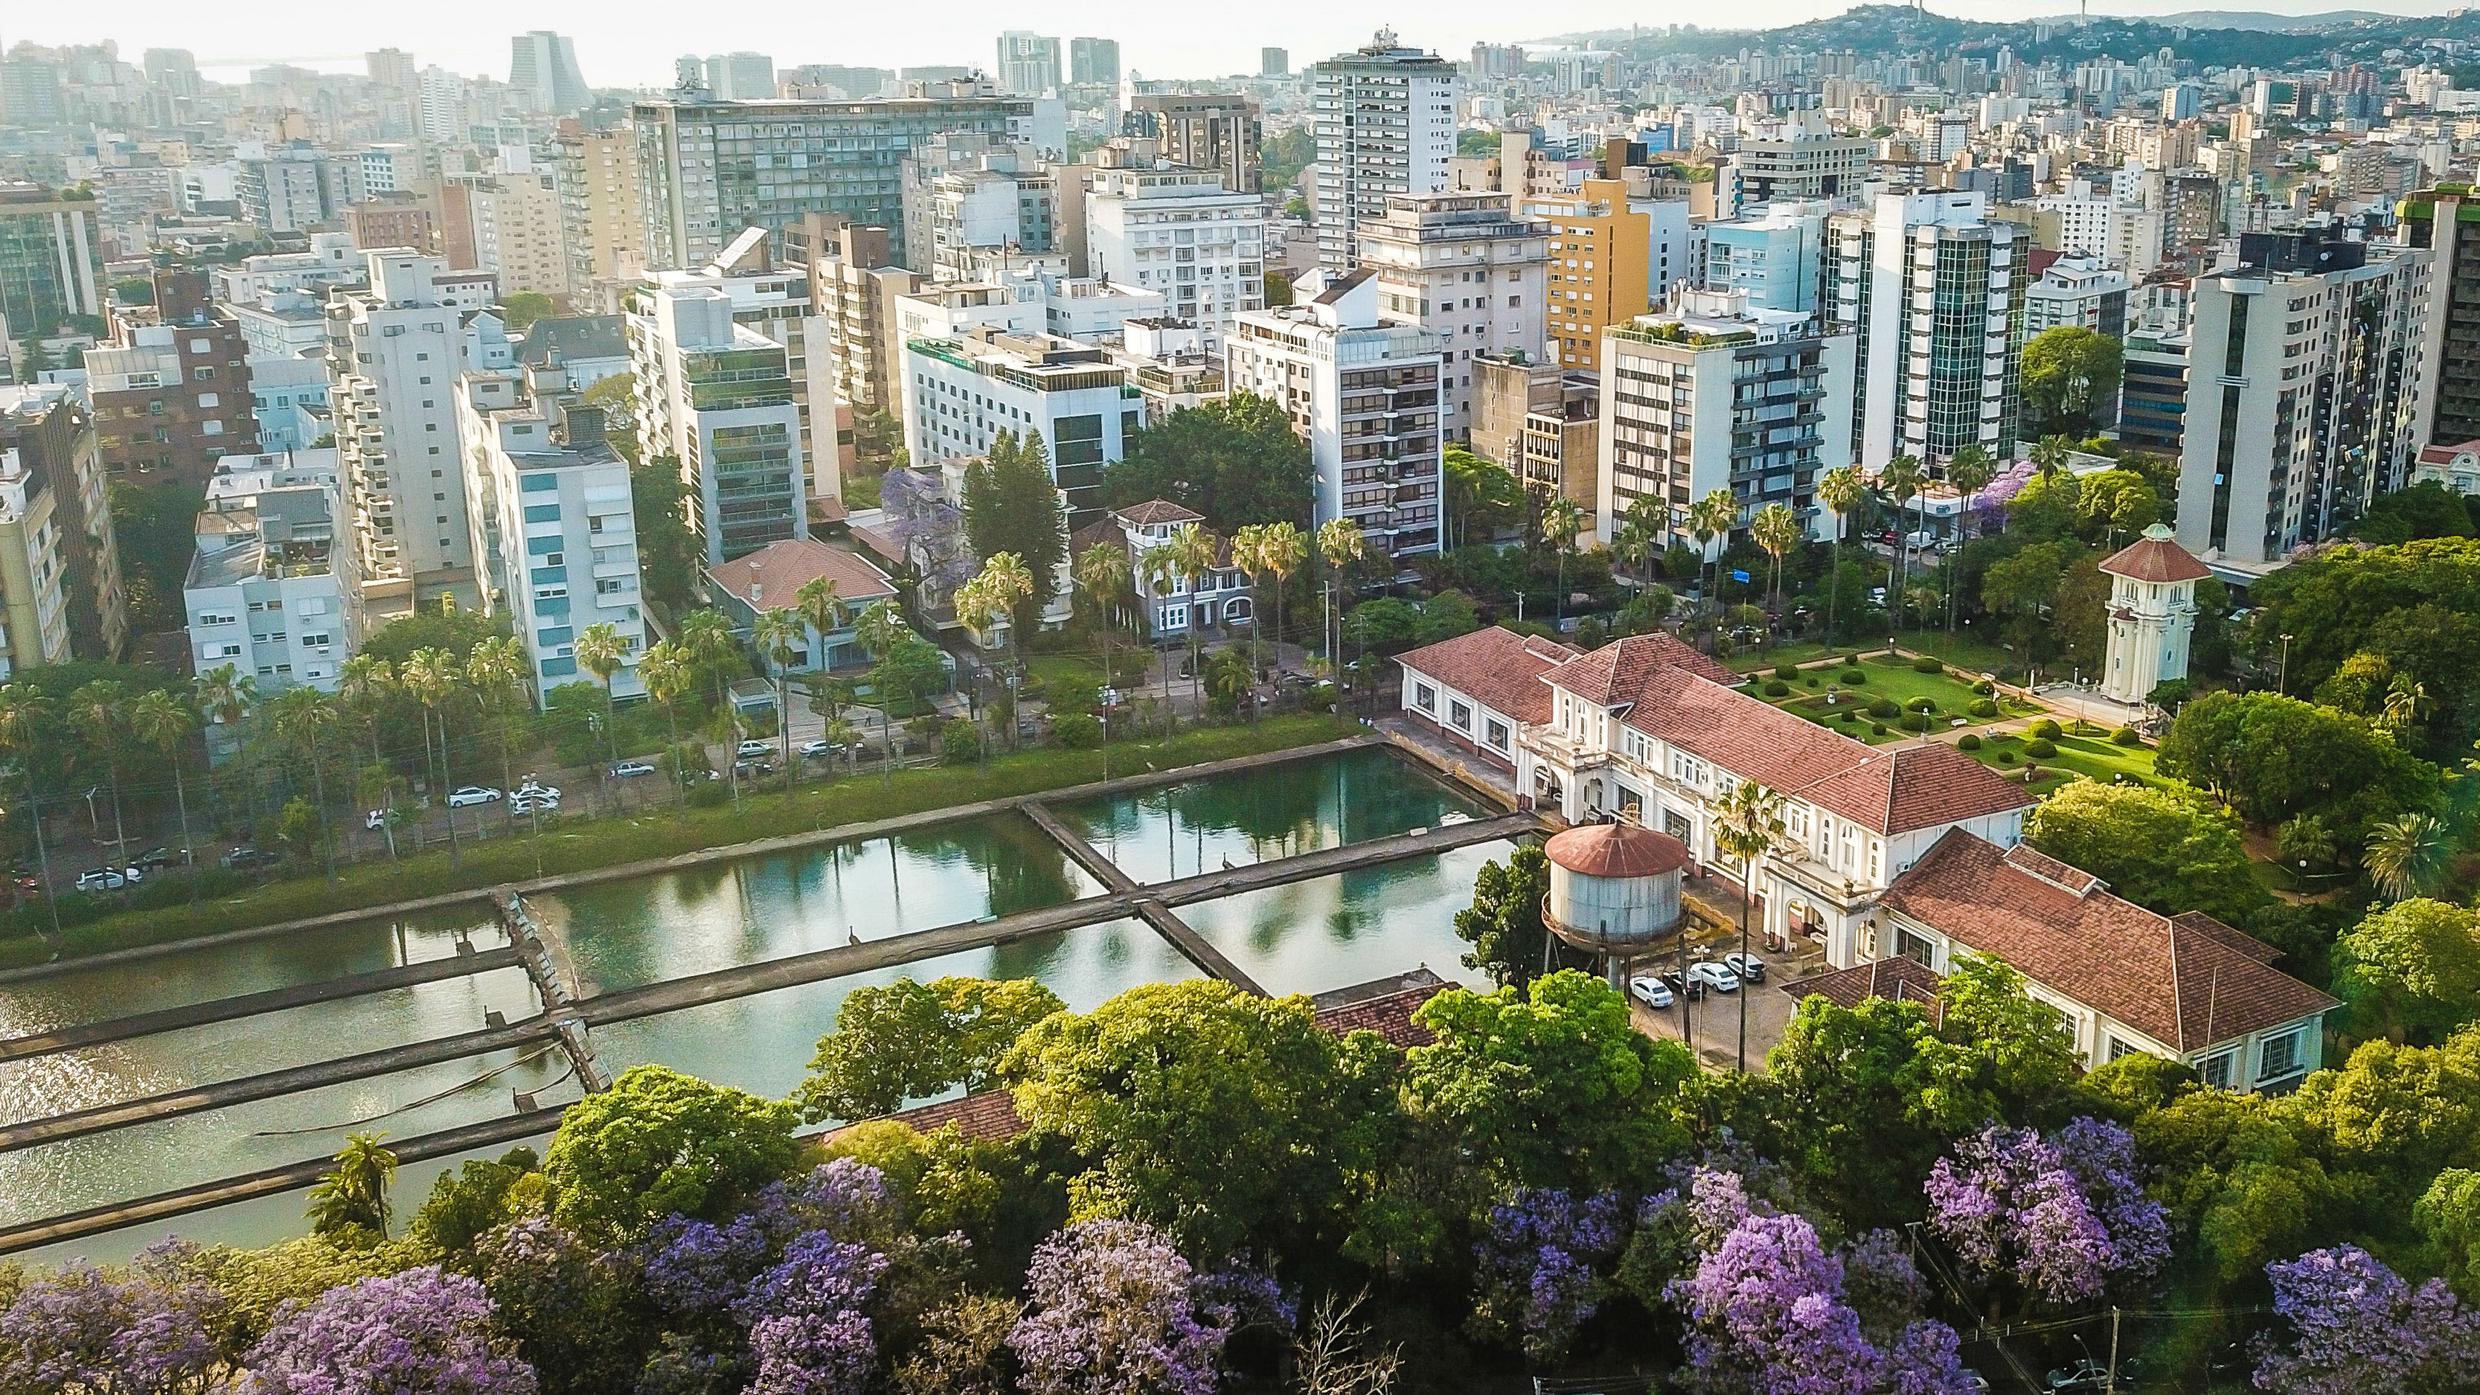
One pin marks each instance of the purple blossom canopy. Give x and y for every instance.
(2358, 1328)
(1111, 1312)
(420, 1332)
(2062, 1215)
(1543, 1266)
(1768, 1314)
(84, 1329)
(808, 1322)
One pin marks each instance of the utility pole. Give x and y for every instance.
(2112, 1387)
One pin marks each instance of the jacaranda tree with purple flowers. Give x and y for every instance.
(2062, 1217)
(124, 1334)
(420, 1332)
(2352, 1326)
(1112, 1310)
(809, 1324)
(1543, 1267)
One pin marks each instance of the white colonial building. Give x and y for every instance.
(2152, 615)
(1648, 726)
(1221, 598)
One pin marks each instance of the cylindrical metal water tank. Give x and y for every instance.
(1614, 887)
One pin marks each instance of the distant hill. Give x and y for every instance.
(2266, 23)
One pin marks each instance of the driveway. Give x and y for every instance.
(1714, 1022)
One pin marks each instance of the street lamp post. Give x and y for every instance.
(2282, 676)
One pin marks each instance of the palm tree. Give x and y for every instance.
(497, 671)
(2049, 457)
(1776, 529)
(1161, 568)
(163, 723)
(1747, 824)
(2405, 856)
(2404, 699)
(225, 694)
(668, 676)
(820, 604)
(1281, 552)
(1101, 574)
(1900, 482)
(1195, 551)
(1341, 546)
(707, 641)
(879, 631)
(781, 634)
(1970, 472)
(25, 727)
(600, 651)
(363, 686)
(431, 677)
(1840, 490)
(1562, 518)
(355, 1193)
(96, 711)
(1709, 518)
(1634, 540)
(298, 716)
(1248, 543)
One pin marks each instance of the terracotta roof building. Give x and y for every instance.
(772, 577)
(1650, 727)
(2121, 977)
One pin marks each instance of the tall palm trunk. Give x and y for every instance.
(456, 854)
(318, 790)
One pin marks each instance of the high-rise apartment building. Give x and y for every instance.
(1206, 131)
(1182, 233)
(2079, 292)
(172, 397)
(507, 224)
(554, 525)
(286, 190)
(394, 350)
(959, 394)
(1384, 116)
(1274, 62)
(1462, 267)
(709, 169)
(602, 223)
(853, 283)
(2303, 392)
(1716, 393)
(51, 259)
(1028, 64)
(1776, 254)
(2447, 223)
(1789, 160)
(271, 590)
(966, 194)
(34, 582)
(542, 67)
(773, 298)
(1364, 394)
(1093, 62)
(717, 396)
(740, 77)
(46, 431)
(1615, 253)
(1935, 291)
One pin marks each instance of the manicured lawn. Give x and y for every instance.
(2092, 757)
(1974, 656)
(1894, 680)
(1047, 669)
(580, 844)
(1798, 653)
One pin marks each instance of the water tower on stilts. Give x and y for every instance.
(1614, 893)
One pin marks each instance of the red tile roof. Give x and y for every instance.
(1898, 978)
(1609, 674)
(1498, 667)
(775, 573)
(1153, 511)
(2155, 557)
(1616, 850)
(2176, 981)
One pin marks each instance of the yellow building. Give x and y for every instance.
(1605, 266)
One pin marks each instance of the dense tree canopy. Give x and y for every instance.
(2162, 849)
(2275, 758)
(910, 1041)
(2069, 373)
(1235, 461)
(2417, 606)
(660, 1143)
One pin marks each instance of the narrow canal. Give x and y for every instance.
(1307, 937)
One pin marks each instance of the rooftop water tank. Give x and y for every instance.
(1614, 887)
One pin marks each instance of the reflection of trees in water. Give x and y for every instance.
(1289, 809)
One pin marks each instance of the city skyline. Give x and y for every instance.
(621, 53)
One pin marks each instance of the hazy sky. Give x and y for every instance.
(628, 42)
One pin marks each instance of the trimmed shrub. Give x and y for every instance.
(1852, 659)
(1922, 704)
(1852, 678)
(1918, 721)
(1078, 731)
(1849, 715)
(1786, 672)
(2126, 736)
(1775, 687)
(2040, 748)
(2006, 758)
(1969, 741)
(1983, 707)
(1877, 728)
(1812, 680)
(1883, 707)
(2045, 728)
(1985, 688)
(1925, 664)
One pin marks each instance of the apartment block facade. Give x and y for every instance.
(173, 397)
(717, 396)
(1184, 233)
(1385, 120)
(1934, 290)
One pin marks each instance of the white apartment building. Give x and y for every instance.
(1462, 267)
(717, 396)
(332, 260)
(2078, 291)
(967, 193)
(555, 532)
(513, 221)
(1364, 394)
(775, 301)
(960, 393)
(1384, 116)
(1789, 160)
(1182, 234)
(2303, 388)
(1935, 291)
(288, 398)
(394, 352)
(272, 590)
(1715, 392)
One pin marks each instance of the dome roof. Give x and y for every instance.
(1616, 850)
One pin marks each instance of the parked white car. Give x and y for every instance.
(632, 769)
(107, 878)
(1749, 967)
(472, 794)
(526, 804)
(1714, 975)
(753, 747)
(1652, 992)
(535, 789)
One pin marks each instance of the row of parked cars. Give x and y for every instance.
(1723, 975)
(532, 797)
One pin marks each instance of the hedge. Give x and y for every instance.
(2040, 748)
(2045, 728)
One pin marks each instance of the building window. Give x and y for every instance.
(1425, 697)
(1498, 734)
(2281, 1056)
(2219, 1069)
(1914, 947)
(1460, 714)
(2112, 1048)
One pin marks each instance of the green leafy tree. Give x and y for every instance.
(479, 1196)
(2397, 1114)
(2425, 510)
(1481, 496)
(1549, 1085)
(910, 1040)
(350, 1204)
(659, 1143)
(2154, 847)
(2406, 854)
(523, 308)
(669, 554)
(2070, 375)
(617, 395)
(1235, 461)
(1220, 1116)
(2274, 757)
(2416, 606)
(2448, 1216)
(2411, 969)
(1012, 506)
